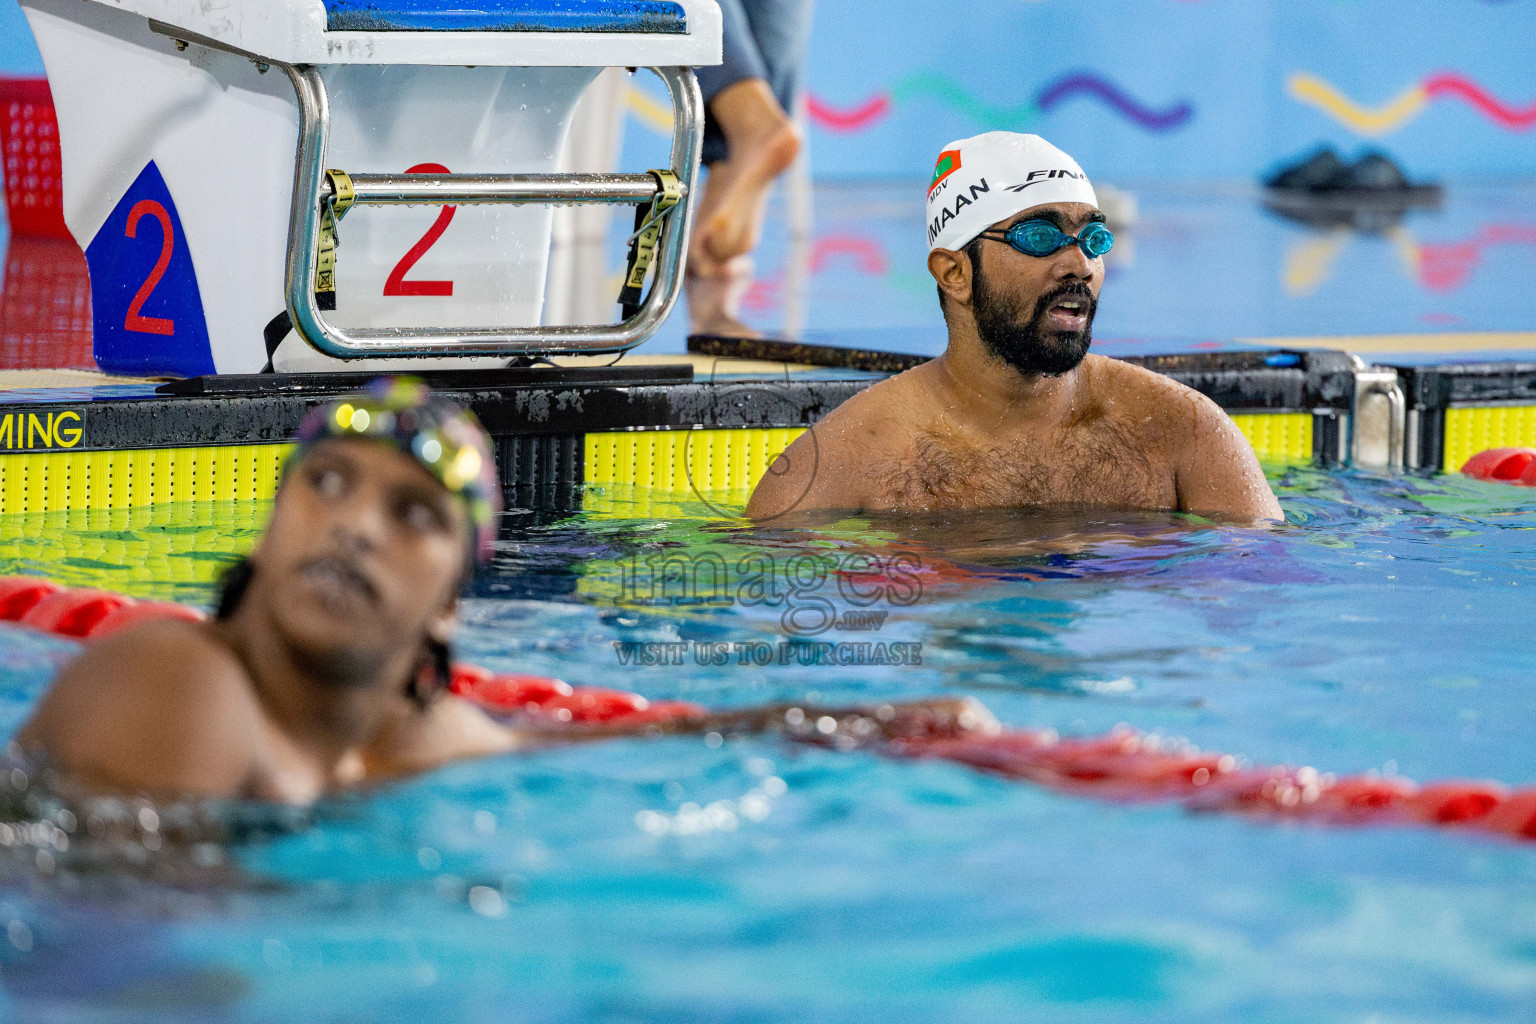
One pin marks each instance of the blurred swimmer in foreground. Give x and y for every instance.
(327, 664)
(1016, 413)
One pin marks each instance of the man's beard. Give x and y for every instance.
(1031, 346)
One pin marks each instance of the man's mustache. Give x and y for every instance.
(345, 570)
(1078, 291)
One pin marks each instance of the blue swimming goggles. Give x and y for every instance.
(1041, 238)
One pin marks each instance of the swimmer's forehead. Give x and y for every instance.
(1068, 216)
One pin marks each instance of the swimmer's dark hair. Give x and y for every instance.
(233, 583)
(236, 580)
(972, 250)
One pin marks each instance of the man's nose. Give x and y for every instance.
(1072, 262)
(362, 522)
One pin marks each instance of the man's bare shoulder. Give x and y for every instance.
(1140, 382)
(1215, 466)
(164, 705)
(871, 414)
(828, 466)
(1158, 405)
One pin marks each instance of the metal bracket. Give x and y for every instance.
(1378, 419)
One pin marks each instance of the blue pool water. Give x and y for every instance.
(1389, 628)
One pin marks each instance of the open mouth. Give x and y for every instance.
(1069, 313)
(339, 581)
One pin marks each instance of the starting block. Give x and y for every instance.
(212, 153)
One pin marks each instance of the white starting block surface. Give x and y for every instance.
(179, 161)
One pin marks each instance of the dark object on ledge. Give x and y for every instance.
(773, 350)
(1371, 194)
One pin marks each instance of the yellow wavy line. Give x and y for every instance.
(1310, 262)
(654, 115)
(1407, 250)
(1313, 90)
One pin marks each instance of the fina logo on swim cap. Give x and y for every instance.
(1036, 177)
(948, 163)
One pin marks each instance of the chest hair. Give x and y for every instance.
(1103, 463)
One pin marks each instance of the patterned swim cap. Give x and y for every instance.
(443, 436)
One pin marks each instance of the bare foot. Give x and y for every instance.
(714, 300)
(762, 143)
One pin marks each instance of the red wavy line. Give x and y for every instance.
(851, 120)
(1448, 83)
(1445, 266)
(866, 253)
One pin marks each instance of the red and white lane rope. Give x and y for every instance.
(1122, 765)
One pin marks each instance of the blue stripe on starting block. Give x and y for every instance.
(651, 17)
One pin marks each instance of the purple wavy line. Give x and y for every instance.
(1152, 120)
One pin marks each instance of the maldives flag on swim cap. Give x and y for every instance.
(989, 178)
(949, 163)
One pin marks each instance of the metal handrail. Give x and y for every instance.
(469, 189)
(1366, 429)
(397, 342)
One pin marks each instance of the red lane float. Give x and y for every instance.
(79, 613)
(73, 613)
(1128, 766)
(558, 702)
(1121, 765)
(18, 594)
(1503, 465)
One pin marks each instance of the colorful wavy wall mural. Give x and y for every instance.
(1219, 89)
(1188, 91)
(1389, 116)
(989, 116)
(930, 85)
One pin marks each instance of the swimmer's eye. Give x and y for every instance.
(1039, 237)
(421, 516)
(1096, 240)
(327, 481)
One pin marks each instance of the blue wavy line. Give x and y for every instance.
(1086, 82)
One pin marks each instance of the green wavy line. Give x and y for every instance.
(935, 86)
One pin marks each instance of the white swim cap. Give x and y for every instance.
(987, 178)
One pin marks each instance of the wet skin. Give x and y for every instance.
(969, 430)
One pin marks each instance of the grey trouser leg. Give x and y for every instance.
(763, 39)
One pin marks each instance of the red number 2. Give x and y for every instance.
(397, 284)
(133, 321)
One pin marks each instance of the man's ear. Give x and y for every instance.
(952, 270)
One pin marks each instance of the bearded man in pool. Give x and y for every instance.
(327, 664)
(1016, 413)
